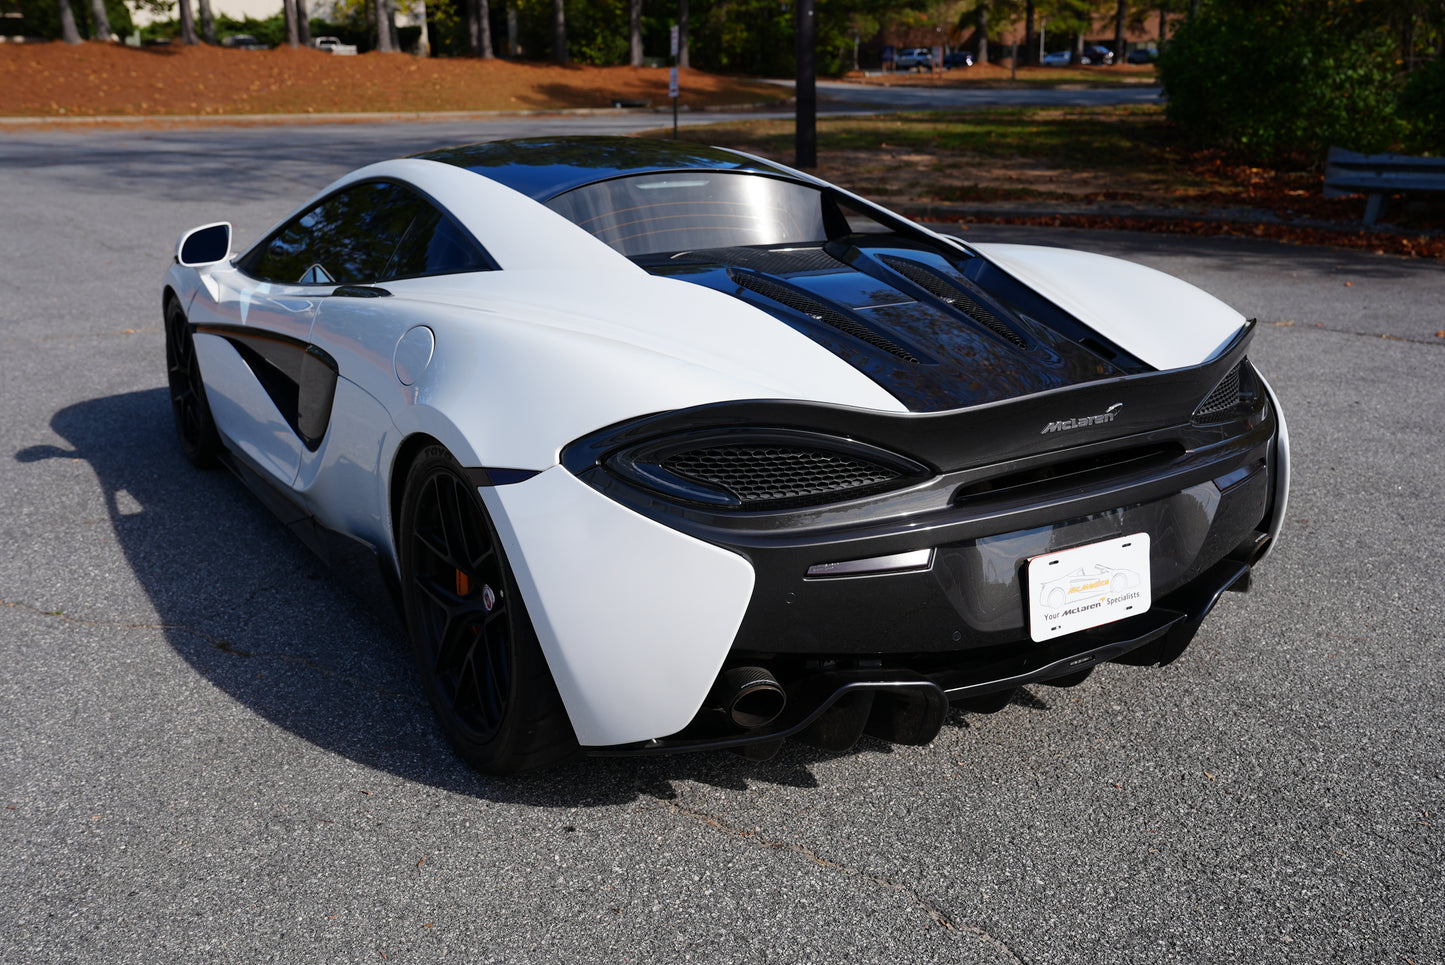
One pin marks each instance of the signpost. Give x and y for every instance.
(672, 81)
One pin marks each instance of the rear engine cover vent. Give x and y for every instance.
(1224, 397)
(827, 314)
(946, 290)
(761, 475)
(770, 261)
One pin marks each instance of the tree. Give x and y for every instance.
(559, 33)
(288, 10)
(682, 12)
(303, 21)
(1119, 15)
(1276, 80)
(479, 28)
(383, 30)
(100, 26)
(634, 32)
(188, 22)
(68, 32)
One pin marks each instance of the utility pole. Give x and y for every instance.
(805, 148)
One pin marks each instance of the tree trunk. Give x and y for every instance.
(1162, 24)
(559, 33)
(1028, 56)
(682, 59)
(484, 30)
(68, 32)
(208, 22)
(634, 32)
(511, 30)
(982, 53)
(1119, 15)
(391, 25)
(188, 22)
(383, 32)
(303, 21)
(288, 8)
(101, 22)
(474, 27)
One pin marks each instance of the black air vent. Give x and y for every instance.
(770, 261)
(761, 475)
(827, 314)
(946, 290)
(1224, 397)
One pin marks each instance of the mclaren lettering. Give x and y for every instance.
(1080, 422)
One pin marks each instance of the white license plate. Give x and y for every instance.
(1088, 586)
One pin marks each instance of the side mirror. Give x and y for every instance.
(206, 245)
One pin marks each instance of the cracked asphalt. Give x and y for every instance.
(213, 753)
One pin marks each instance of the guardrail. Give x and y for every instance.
(1381, 175)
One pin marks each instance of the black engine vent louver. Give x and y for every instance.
(1225, 396)
(762, 475)
(827, 314)
(944, 289)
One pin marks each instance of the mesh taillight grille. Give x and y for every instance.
(1225, 396)
(773, 474)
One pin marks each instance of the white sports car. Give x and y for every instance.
(661, 448)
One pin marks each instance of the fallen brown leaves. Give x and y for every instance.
(1420, 246)
(58, 80)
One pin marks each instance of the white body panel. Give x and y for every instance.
(1162, 320)
(635, 618)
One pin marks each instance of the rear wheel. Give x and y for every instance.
(480, 664)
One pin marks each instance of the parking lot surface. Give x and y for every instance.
(213, 753)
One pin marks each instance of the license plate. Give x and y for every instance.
(1088, 586)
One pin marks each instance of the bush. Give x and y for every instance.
(1423, 104)
(1272, 81)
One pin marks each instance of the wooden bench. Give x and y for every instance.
(1378, 175)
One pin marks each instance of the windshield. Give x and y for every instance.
(648, 214)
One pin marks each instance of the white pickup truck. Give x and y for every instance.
(334, 45)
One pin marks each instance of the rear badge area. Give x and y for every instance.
(1088, 586)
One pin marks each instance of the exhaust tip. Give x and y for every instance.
(751, 697)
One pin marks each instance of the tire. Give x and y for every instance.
(1056, 599)
(195, 430)
(475, 650)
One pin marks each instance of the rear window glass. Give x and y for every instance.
(650, 214)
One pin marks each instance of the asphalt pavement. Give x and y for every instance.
(213, 753)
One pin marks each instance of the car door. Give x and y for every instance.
(270, 388)
(376, 341)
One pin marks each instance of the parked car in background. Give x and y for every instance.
(1144, 55)
(914, 58)
(243, 42)
(957, 58)
(1097, 54)
(333, 45)
(1057, 58)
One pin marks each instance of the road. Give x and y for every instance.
(212, 753)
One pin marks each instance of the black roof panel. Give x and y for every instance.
(544, 167)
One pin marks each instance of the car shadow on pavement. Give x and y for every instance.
(258, 616)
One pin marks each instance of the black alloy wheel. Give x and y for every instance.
(194, 427)
(473, 643)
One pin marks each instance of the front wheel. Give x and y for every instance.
(195, 429)
(476, 652)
